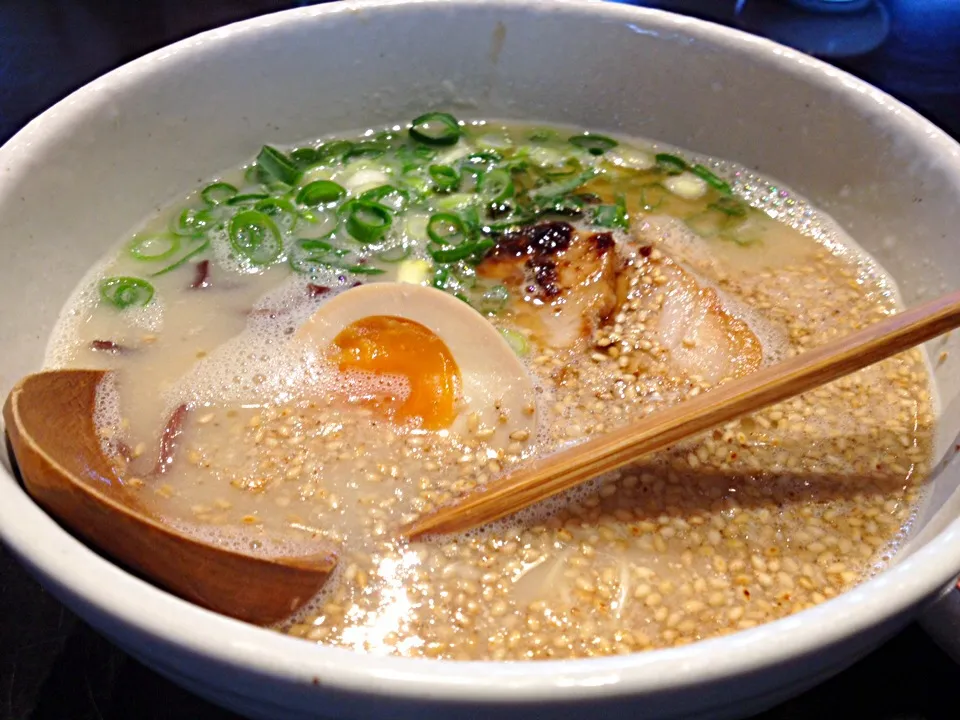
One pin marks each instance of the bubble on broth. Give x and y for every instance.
(107, 415)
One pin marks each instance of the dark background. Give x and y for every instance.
(53, 667)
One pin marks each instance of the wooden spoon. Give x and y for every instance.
(767, 386)
(49, 419)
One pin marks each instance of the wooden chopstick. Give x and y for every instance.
(566, 469)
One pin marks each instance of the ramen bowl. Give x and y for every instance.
(83, 173)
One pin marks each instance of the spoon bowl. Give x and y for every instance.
(49, 418)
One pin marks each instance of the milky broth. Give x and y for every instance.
(755, 520)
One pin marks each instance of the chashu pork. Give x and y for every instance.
(563, 282)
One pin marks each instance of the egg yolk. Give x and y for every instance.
(387, 345)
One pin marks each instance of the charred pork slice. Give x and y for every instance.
(563, 282)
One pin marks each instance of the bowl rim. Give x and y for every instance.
(136, 607)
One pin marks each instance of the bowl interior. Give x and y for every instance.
(75, 181)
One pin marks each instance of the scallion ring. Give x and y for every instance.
(278, 166)
(183, 259)
(367, 221)
(255, 237)
(593, 144)
(729, 206)
(711, 179)
(194, 223)
(447, 229)
(154, 247)
(275, 206)
(247, 199)
(364, 270)
(440, 278)
(670, 164)
(217, 193)
(446, 254)
(436, 128)
(494, 299)
(321, 192)
(445, 178)
(123, 291)
(390, 196)
(333, 150)
(306, 157)
(612, 216)
(364, 149)
(497, 186)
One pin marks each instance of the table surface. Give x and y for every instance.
(53, 667)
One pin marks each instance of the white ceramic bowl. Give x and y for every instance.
(79, 177)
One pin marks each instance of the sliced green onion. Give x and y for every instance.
(445, 255)
(497, 186)
(494, 299)
(494, 141)
(395, 254)
(445, 178)
(413, 157)
(217, 193)
(517, 341)
(154, 247)
(548, 195)
(474, 249)
(309, 253)
(447, 229)
(670, 164)
(364, 270)
(278, 166)
(194, 222)
(711, 179)
(481, 247)
(173, 266)
(566, 168)
(593, 144)
(471, 220)
(562, 205)
(275, 206)
(255, 237)
(247, 198)
(436, 128)
(364, 149)
(391, 197)
(255, 174)
(480, 162)
(516, 219)
(612, 216)
(124, 291)
(306, 157)
(729, 206)
(367, 221)
(456, 201)
(321, 192)
(319, 245)
(651, 196)
(440, 277)
(333, 150)
(541, 134)
(276, 187)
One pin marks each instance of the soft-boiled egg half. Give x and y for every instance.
(432, 361)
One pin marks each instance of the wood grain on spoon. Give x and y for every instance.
(568, 468)
(49, 419)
